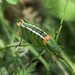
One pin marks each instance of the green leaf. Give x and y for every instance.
(28, 70)
(12, 1)
(56, 8)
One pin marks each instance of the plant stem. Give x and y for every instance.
(62, 19)
(40, 57)
(8, 46)
(48, 72)
(32, 50)
(67, 62)
(60, 65)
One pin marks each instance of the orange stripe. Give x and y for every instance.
(46, 39)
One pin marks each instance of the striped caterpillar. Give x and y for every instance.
(38, 37)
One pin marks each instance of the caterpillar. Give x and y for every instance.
(38, 37)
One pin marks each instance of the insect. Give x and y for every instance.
(38, 37)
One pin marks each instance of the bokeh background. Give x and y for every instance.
(45, 14)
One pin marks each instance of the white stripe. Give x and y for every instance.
(35, 27)
(22, 25)
(35, 32)
(39, 29)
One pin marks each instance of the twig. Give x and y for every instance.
(62, 19)
(60, 65)
(8, 46)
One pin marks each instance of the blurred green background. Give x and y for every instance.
(45, 14)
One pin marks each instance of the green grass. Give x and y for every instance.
(54, 16)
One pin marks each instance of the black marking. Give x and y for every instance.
(37, 31)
